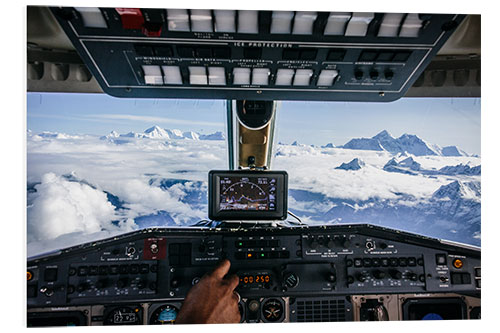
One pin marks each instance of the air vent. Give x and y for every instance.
(315, 310)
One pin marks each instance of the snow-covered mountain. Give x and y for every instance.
(405, 143)
(407, 166)
(328, 145)
(453, 151)
(156, 132)
(355, 164)
(214, 136)
(191, 135)
(461, 169)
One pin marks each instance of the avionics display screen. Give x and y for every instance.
(247, 195)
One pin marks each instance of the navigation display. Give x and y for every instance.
(247, 193)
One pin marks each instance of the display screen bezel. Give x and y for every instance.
(215, 213)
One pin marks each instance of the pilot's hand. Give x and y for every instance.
(212, 300)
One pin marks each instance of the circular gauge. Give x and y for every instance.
(272, 310)
(123, 316)
(165, 314)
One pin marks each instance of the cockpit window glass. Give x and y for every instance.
(100, 166)
(413, 165)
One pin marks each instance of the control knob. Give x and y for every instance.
(362, 277)
(103, 283)
(313, 244)
(378, 274)
(122, 283)
(395, 274)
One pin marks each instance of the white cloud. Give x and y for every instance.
(63, 207)
(64, 213)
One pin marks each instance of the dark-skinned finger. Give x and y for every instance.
(233, 281)
(221, 269)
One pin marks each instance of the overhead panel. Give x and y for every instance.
(250, 54)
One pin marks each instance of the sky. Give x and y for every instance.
(442, 121)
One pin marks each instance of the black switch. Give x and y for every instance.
(185, 249)
(291, 54)
(358, 262)
(466, 278)
(163, 51)
(367, 262)
(239, 255)
(308, 54)
(440, 259)
(185, 51)
(83, 271)
(385, 56)
(144, 269)
(32, 291)
(173, 249)
(50, 274)
(478, 272)
(368, 56)
(401, 56)
(403, 262)
(384, 262)
(103, 270)
(252, 52)
(203, 52)
(335, 55)
(134, 269)
(123, 269)
(456, 278)
(412, 261)
(221, 52)
(285, 254)
(93, 270)
(375, 262)
(394, 262)
(174, 260)
(113, 270)
(144, 50)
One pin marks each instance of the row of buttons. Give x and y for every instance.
(385, 262)
(257, 243)
(262, 255)
(460, 278)
(112, 270)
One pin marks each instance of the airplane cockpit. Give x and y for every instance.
(320, 152)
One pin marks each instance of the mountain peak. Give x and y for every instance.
(355, 164)
(383, 134)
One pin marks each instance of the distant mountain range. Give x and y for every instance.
(409, 143)
(156, 132)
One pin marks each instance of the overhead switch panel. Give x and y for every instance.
(92, 17)
(358, 25)
(253, 54)
(335, 26)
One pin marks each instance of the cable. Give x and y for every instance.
(298, 219)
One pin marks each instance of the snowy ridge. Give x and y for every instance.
(156, 132)
(355, 164)
(405, 143)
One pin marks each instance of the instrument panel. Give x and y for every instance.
(334, 273)
(255, 55)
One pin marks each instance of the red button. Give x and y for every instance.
(131, 18)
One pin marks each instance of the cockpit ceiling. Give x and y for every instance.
(286, 71)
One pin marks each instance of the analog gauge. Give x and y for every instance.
(123, 316)
(165, 314)
(272, 310)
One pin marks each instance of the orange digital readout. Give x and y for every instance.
(259, 278)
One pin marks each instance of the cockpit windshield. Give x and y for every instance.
(100, 166)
